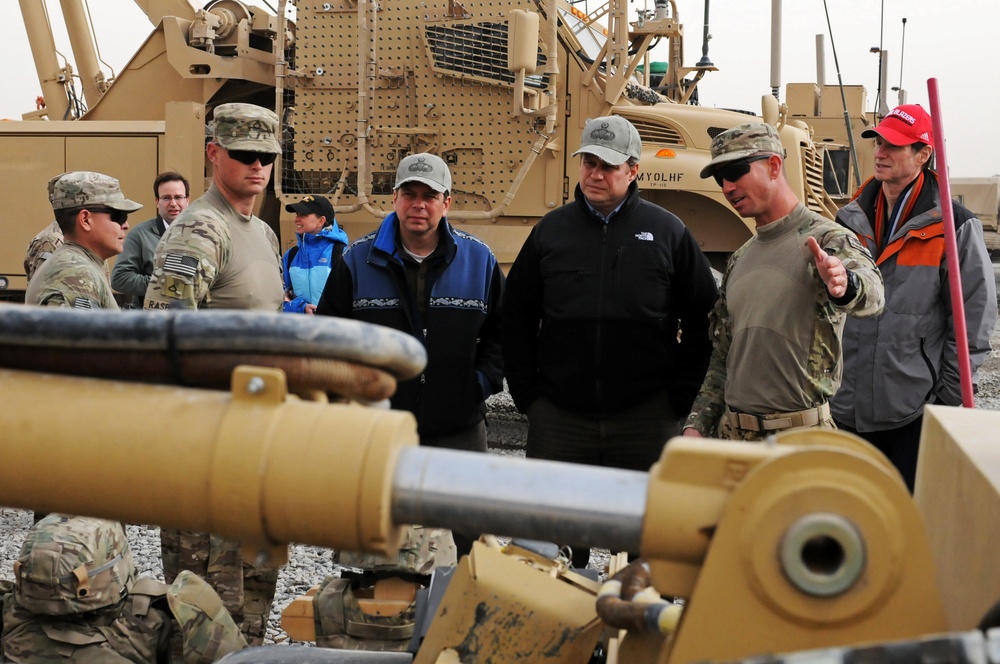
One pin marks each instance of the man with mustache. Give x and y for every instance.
(93, 214)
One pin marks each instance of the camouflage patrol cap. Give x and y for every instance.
(78, 189)
(612, 139)
(743, 141)
(73, 564)
(426, 168)
(246, 127)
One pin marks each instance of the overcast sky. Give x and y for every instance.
(954, 42)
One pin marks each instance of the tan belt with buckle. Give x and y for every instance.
(778, 421)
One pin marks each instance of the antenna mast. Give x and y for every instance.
(901, 92)
(843, 101)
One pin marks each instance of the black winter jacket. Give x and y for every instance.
(591, 310)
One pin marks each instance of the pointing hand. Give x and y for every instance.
(830, 269)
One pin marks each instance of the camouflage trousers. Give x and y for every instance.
(728, 432)
(247, 590)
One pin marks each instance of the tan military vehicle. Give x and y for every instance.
(500, 89)
(808, 542)
(982, 197)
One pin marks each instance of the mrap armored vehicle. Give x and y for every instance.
(500, 89)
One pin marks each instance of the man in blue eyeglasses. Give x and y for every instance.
(217, 253)
(135, 265)
(777, 325)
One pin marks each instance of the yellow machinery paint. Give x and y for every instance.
(809, 542)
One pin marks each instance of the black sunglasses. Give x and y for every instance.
(117, 216)
(248, 157)
(734, 171)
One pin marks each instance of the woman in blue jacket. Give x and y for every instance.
(306, 266)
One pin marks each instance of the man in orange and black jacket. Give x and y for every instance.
(907, 357)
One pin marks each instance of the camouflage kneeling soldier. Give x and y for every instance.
(374, 608)
(76, 597)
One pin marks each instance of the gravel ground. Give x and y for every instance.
(308, 565)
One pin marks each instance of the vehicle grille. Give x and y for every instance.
(812, 168)
(477, 50)
(659, 134)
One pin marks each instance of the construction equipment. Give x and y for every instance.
(807, 541)
(500, 89)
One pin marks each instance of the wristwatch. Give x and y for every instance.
(853, 286)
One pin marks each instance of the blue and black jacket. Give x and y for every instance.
(461, 330)
(306, 266)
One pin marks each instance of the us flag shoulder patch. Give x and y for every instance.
(184, 266)
(84, 303)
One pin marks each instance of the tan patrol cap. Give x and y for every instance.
(79, 189)
(246, 127)
(743, 141)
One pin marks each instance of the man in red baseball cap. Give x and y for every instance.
(907, 357)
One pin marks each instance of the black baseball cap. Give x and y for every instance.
(313, 205)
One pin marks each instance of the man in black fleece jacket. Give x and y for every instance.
(605, 325)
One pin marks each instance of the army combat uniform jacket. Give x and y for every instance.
(776, 331)
(907, 357)
(73, 277)
(41, 248)
(214, 257)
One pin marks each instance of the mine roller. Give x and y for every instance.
(805, 545)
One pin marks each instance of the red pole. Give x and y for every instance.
(951, 249)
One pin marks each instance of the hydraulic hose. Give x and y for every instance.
(347, 358)
(628, 601)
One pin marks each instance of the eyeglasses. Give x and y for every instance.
(248, 157)
(734, 171)
(171, 199)
(117, 216)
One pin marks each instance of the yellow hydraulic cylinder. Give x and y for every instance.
(257, 464)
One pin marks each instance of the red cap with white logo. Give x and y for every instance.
(905, 125)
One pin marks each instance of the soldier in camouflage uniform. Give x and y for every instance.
(217, 254)
(41, 248)
(93, 216)
(777, 325)
(76, 599)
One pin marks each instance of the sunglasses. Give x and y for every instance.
(734, 171)
(248, 157)
(117, 216)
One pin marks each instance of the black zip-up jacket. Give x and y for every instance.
(461, 330)
(591, 310)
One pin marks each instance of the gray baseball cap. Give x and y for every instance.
(79, 189)
(246, 127)
(612, 139)
(743, 141)
(424, 167)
